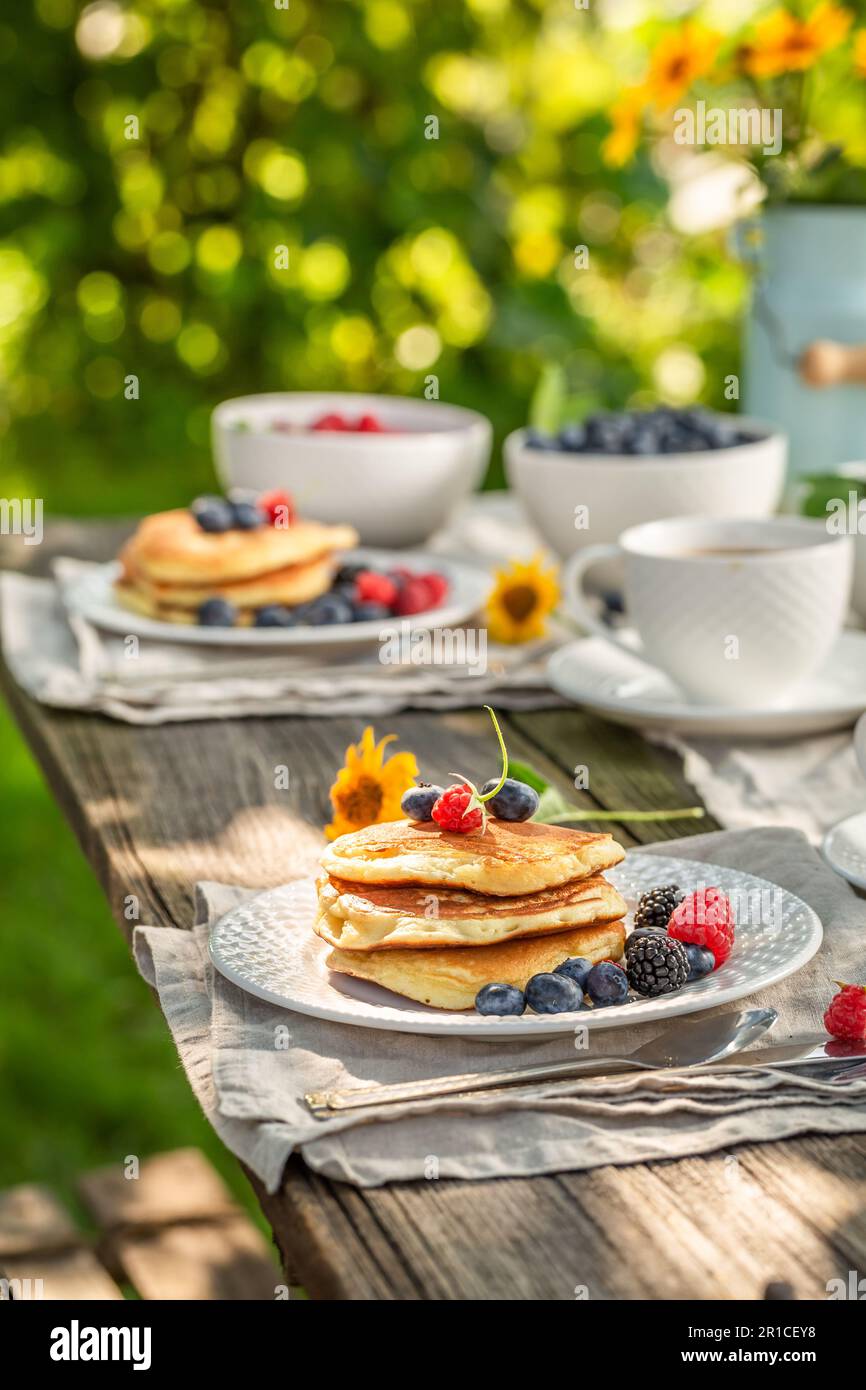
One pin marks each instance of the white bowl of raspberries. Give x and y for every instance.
(393, 468)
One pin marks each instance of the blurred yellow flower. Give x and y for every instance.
(619, 146)
(678, 59)
(784, 43)
(860, 52)
(524, 595)
(368, 788)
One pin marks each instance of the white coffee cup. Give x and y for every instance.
(735, 611)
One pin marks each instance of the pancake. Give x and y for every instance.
(138, 602)
(291, 585)
(171, 548)
(508, 859)
(450, 979)
(388, 917)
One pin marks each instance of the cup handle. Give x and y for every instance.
(575, 599)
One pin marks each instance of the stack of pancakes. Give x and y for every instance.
(435, 915)
(170, 566)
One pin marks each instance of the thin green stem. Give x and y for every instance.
(499, 784)
(689, 813)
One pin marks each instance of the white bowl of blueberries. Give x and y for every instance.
(588, 481)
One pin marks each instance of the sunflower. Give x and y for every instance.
(625, 117)
(524, 594)
(860, 52)
(368, 789)
(677, 60)
(784, 43)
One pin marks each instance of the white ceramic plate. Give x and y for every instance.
(93, 597)
(267, 946)
(604, 678)
(844, 848)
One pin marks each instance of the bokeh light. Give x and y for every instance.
(350, 197)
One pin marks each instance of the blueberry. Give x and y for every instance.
(607, 984)
(701, 961)
(514, 800)
(275, 615)
(213, 514)
(537, 439)
(500, 999)
(327, 610)
(547, 993)
(246, 516)
(572, 438)
(576, 968)
(643, 441)
(613, 601)
(640, 931)
(606, 433)
(722, 433)
(217, 612)
(347, 574)
(370, 612)
(417, 803)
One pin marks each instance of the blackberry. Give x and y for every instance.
(657, 964)
(656, 906)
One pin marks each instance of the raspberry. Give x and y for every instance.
(369, 424)
(846, 1016)
(437, 585)
(278, 507)
(330, 422)
(415, 596)
(450, 810)
(371, 587)
(705, 918)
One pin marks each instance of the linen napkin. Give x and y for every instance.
(250, 1062)
(61, 659)
(809, 784)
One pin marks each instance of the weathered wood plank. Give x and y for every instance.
(169, 1187)
(57, 1275)
(624, 771)
(32, 1219)
(157, 808)
(225, 1259)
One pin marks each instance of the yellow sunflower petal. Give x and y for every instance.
(524, 594)
(368, 789)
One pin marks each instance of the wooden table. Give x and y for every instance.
(156, 809)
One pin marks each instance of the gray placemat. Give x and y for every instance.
(250, 1062)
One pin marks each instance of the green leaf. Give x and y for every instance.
(522, 772)
(545, 410)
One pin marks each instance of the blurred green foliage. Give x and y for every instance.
(88, 1071)
(158, 154)
(155, 157)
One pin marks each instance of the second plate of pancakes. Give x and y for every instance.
(93, 596)
(268, 947)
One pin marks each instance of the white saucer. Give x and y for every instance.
(93, 597)
(606, 679)
(844, 848)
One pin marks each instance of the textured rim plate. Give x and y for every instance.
(602, 677)
(267, 946)
(93, 597)
(844, 848)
